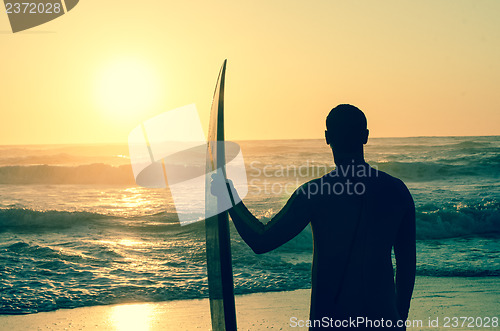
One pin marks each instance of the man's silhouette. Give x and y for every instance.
(357, 215)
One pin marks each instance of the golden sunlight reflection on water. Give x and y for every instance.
(125, 242)
(130, 243)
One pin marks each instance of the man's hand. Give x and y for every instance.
(221, 188)
(218, 186)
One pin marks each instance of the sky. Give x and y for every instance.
(416, 68)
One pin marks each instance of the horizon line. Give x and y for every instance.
(238, 140)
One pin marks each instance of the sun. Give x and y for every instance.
(127, 88)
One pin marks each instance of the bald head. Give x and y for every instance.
(346, 129)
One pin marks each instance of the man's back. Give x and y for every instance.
(356, 220)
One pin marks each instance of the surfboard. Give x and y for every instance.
(218, 245)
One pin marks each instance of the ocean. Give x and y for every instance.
(75, 229)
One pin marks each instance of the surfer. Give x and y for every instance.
(357, 215)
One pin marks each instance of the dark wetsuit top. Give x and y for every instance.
(352, 271)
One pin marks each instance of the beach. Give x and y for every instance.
(434, 299)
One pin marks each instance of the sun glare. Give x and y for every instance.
(127, 87)
(132, 317)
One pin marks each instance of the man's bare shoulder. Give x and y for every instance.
(389, 184)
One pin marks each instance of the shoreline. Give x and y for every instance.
(434, 299)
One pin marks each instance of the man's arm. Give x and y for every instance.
(405, 252)
(288, 223)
